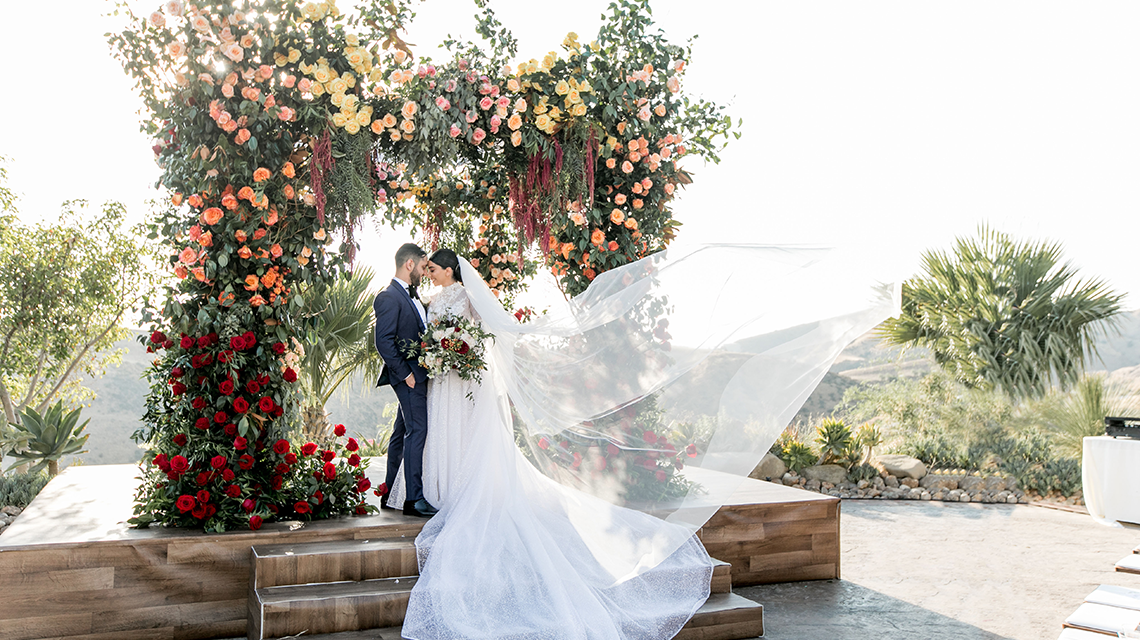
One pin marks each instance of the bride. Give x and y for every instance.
(512, 553)
(718, 346)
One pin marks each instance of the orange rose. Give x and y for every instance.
(276, 251)
(590, 275)
(261, 201)
(195, 200)
(611, 163)
(616, 216)
(630, 223)
(259, 234)
(181, 272)
(566, 249)
(229, 201)
(176, 199)
(621, 128)
(242, 136)
(271, 217)
(244, 252)
(188, 256)
(288, 191)
(288, 171)
(613, 245)
(637, 203)
(268, 279)
(597, 237)
(246, 193)
(239, 235)
(619, 199)
(263, 254)
(226, 298)
(261, 174)
(206, 239)
(212, 215)
(199, 274)
(256, 301)
(251, 283)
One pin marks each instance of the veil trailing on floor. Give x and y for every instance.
(663, 385)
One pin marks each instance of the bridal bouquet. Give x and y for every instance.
(452, 343)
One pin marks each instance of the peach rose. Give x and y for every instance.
(234, 52)
(288, 170)
(276, 251)
(630, 223)
(174, 7)
(256, 301)
(669, 188)
(409, 126)
(389, 121)
(199, 273)
(245, 193)
(176, 200)
(619, 199)
(621, 128)
(514, 122)
(305, 85)
(242, 136)
(157, 19)
(597, 237)
(261, 174)
(246, 40)
(377, 127)
(626, 166)
(188, 256)
(288, 191)
(320, 234)
(611, 163)
(659, 110)
(194, 200)
(212, 215)
(176, 49)
(616, 216)
(285, 114)
(516, 138)
(409, 110)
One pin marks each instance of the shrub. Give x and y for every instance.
(18, 489)
(835, 442)
(798, 456)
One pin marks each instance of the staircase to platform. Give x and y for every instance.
(355, 589)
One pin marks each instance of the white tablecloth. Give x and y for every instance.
(1111, 474)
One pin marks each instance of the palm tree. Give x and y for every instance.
(338, 344)
(1004, 314)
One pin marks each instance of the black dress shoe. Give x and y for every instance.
(419, 508)
(384, 503)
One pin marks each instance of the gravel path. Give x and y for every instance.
(932, 570)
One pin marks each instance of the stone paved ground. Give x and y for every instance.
(934, 571)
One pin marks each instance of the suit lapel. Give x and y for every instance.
(408, 298)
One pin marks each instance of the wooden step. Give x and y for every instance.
(334, 561)
(1101, 618)
(1129, 564)
(329, 607)
(1066, 634)
(721, 577)
(725, 616)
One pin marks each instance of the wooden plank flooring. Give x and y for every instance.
(96, 578)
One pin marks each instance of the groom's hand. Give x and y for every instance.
(410, 381)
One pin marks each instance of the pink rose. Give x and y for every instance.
(228, 90)
(234, 52)
(495, 122)
(157, 19)
(243, 137)
(472, 116)
(454, 131)
(451, 84)
(304, 85)
(265, 71)
(285, 114)
(290, 80)
(478, 136)
(442, 103)
(486, 103)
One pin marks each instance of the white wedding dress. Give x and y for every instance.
(513, 554)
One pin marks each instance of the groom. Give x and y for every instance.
(400, 318)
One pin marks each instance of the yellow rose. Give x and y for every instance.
(363, 118)
(352, 126)
(578, 110)
(574, 97)
(311, 11)
(555, 113)
(513, 85)
(280, 60)
(318, 89)
(339, 119)
(595, 46)
(571, 41)
(356, 58)
(540, 108)
(366, 109)
(585, 88)
(376, 75)
(542, 121)
(532, 67)
(562, 88)
(349, 79)
(352, 40)
(337, 86)
(350, 103)
(516, 138)
(322, 74)
(294, 55)
(305, 68)
(337, 99)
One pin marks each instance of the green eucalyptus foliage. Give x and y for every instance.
(1006, 314)
(45, 439)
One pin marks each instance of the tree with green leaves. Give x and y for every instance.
(1000, 313)
(66, 289)
(338, 343)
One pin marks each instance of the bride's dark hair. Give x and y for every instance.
(447, 259)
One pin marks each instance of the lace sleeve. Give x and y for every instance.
(469, 311)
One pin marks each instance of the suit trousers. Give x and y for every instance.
(409, 433)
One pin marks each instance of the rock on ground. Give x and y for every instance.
(902, 466)
(831, 473)
(770, 466)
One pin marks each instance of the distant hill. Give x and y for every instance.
(121, 393)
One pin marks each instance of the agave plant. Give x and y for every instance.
(867, 439)
(43, 439)
(798, 455)
(835, 441)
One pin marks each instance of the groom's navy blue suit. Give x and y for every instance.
(397, 322)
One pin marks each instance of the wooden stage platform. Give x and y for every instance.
(71, 568)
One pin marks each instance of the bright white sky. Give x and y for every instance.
(888, 127)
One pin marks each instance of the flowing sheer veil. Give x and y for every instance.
(663, 385)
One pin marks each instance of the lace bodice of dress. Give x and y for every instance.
(451, 300)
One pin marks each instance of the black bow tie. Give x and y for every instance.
(412, 292)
